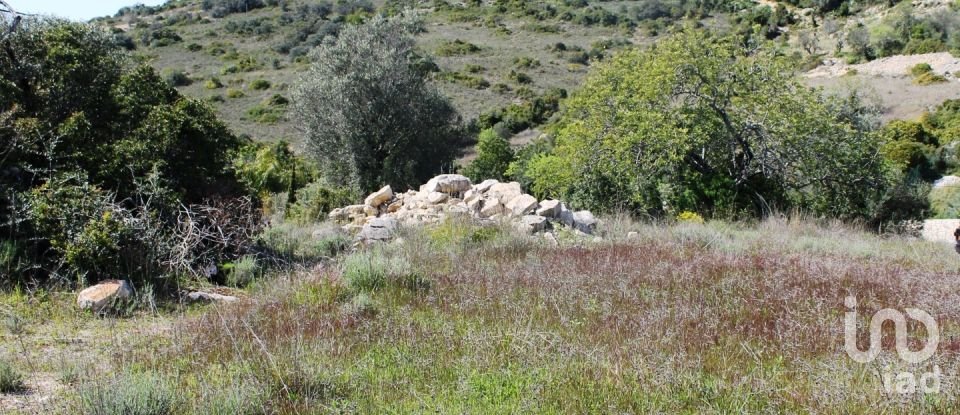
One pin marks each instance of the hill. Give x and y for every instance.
(488, 54)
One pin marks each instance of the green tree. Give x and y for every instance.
(708, 124)
(97, 154)
(494, 156)
(370, 115)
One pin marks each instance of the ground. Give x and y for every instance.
(685, 318)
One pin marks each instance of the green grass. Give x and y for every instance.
(10, 379)
(716, 317)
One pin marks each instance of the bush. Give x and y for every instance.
(317, 199)
(494, 156)
(371, 271)
(11, 381)
(235, 93)
(130, 393)
(470, 81)
(260, 85)
(945, 202)
(176, 77)
(456, 47)
(213, 83)
(242, 272)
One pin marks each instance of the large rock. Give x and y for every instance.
(940, 230)
(584, 221)
(378, 229)
(504, 192)
(379, 197)
(447, 183)
(491, 208)
(549, 209)
(102, 295)
(437, 198)
(947, 181)
(522, 205)
(485, 185)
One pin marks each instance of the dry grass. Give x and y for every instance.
(714, 318)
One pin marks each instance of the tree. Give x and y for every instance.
(494, 156)
(369, 113)
(97, 155)
(708, 124)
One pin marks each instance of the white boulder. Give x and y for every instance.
(379, 197)
(447, 183)
(549, 209)
(522, 205)
(99, 297)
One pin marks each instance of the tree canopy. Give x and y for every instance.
(710, 124)
(369, 113)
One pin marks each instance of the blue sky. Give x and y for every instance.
(76, 9)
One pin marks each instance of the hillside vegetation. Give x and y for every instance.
(263, 207)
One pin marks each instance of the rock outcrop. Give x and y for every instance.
(385, 210)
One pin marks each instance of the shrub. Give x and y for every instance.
(456, 47)
(177, 77)
(690, 217)
(242, 272)
(475, 82)
(235, 93)
(494, 155)
(11, 381)
(260, 85)
(920, 69)
(130, 393)
(366, 271)
(519, 77)
(317, 199)
(945, 202)
(213, 83)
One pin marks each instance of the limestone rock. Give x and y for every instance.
(370, 211)
(585, 222)
(491, 208)
(551, 239)
(485, 185)
(379, 197)
(947, 181)
(378, 230)
(205, 297)
(633, 235)
(504, 192)
(522, 205)
(100, 296)
(549, 209)
(532, 224)
(437, 198)
(447, 183)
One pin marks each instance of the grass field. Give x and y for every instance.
(716, 318)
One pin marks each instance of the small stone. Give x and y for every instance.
(522, 205)
(549, 208)
(99, 297)
(205, 297)
(379, 197)
(394, 207)
(633, 235)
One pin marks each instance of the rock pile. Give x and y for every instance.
(452, 195)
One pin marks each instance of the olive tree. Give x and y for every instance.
(370, 114)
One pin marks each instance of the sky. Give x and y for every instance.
(76, 9)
